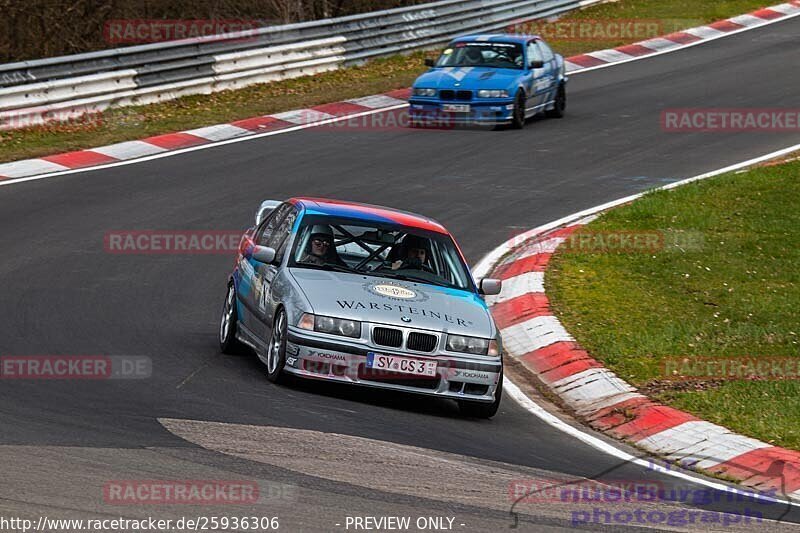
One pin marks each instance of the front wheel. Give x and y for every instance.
(483, 410)
(228, 343)
(518, 117)
(276, 353)
(560, 105)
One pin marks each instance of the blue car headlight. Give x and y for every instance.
(424, 92)
(492, 93)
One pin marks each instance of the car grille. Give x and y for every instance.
(448, 94)
(421, 342)
(387, 337)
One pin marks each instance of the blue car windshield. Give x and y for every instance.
(482, 54)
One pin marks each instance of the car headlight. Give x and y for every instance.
(492, 93)
(473, 345)
(329, 324)
(424, 92)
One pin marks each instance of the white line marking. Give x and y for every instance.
(518, 286)
(128, 150)
(533, 334)
(219, 132)
(704, 32)
(610, 55)
(784, 8)
(25, 167)
(700, 444)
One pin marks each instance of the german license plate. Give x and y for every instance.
(403, 365)
(456, 108)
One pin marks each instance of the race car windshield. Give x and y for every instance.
(482, 54)
(381, 250)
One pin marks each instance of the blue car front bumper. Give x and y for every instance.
(434, 112)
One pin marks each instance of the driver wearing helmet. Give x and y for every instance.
(320, 249)
(413, 254)
(473, 55)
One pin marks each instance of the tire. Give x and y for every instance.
(560, 105)
(228, 343)
(518, 118)
(483, 410)
(276, 350)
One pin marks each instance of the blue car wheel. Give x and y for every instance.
(518, 118)
(560, 105)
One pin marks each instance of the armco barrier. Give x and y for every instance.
(35, 92)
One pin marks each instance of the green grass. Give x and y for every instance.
(725, 284)
(378, 76)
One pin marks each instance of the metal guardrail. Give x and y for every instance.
(60, 88)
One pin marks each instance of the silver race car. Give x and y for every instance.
(361, 294)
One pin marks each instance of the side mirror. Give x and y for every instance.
(537, 64)
(263, 254)
(489, 286)
(265, 209)
(429, 62)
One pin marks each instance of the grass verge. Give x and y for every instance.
(725, 285)
(136, 122)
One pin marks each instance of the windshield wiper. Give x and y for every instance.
(328, 266)
(406, 277)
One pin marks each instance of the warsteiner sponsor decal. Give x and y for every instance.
(404, 309)
(396, 291)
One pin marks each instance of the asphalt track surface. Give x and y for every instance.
(61, 293)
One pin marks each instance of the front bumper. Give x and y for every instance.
(484, 111)
(313, 356)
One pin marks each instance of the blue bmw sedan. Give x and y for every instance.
(490, 79)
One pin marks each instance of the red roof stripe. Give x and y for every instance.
(406, 219)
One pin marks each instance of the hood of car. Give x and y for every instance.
(389, 301)
(469, 78)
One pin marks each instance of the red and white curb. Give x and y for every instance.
(208, 135)
(682, 39)
(537, 339)
(318, 115)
